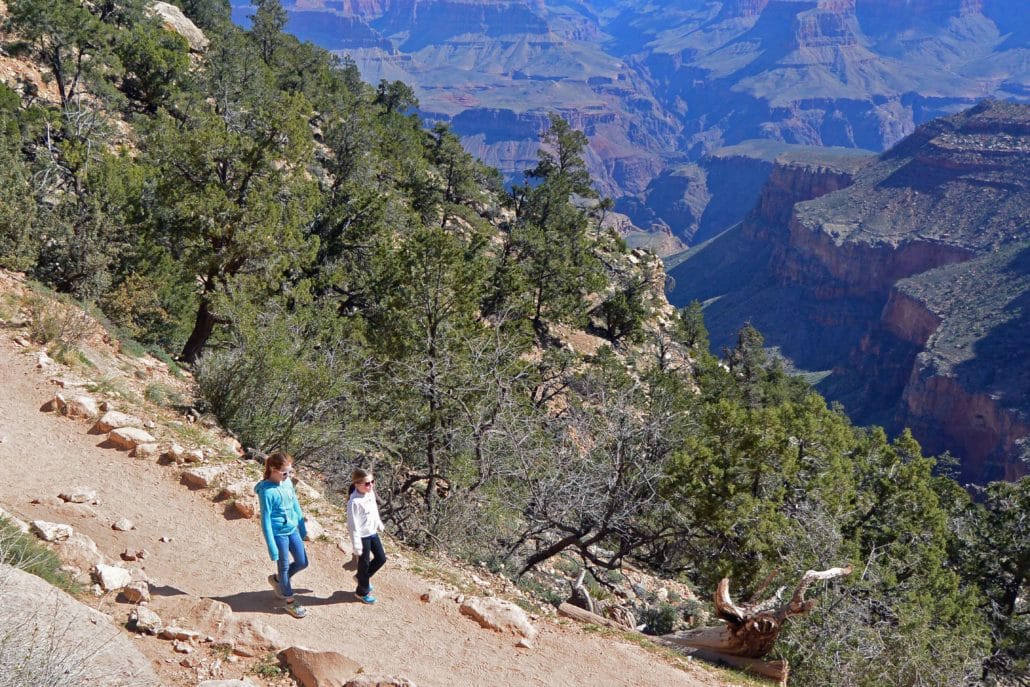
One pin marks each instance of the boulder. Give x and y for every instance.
(147, 451)
(202, 477)
(177, 22)
(81, 406)
(51, 531)
(314, 528)
(113, 419)
(142, 619)
(80, 551)
(128, 438)
(137, 592)
(112, 577)
(91, 650)
(318, 668)
(499, 615)
(246, 507)
(21, 525)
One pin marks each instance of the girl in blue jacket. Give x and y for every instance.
(283, 527)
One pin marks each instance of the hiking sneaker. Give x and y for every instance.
(295, 609)
(272, 580)
(367, 599)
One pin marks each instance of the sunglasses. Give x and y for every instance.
(368, 483)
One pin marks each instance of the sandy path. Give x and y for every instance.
(212, 556)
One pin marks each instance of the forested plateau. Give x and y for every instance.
(354, 288)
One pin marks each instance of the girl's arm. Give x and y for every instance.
(302, 526)
(354, 513)
(266, 524)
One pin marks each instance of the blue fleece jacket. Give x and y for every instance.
(280, 512)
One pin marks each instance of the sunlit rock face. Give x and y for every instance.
(906, 278)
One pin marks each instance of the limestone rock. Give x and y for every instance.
(250, 637)
(500, 615)
(147, 451)
(81, 406)
(79, 495)
(145, 620)
(180, 633)
(112, 577)
(51, 531)
(202, 477)
(137, 592)
(92, 649)
(378, 681)
(80, 551)
(174, 20)
(318, 668)
(314, 528)
(433, 595)
(130, 437)
(123, 525)
(113, 419)
(246, 507)
(306, 491)
(21, 525)
(227, 683)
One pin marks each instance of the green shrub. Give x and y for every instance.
(163, 395)
(21, 551)
(660, 619)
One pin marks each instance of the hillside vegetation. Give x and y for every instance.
(357, 290)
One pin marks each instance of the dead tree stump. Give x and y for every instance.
(751, 630)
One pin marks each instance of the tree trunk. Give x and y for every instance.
(202, 328)
(584, 616)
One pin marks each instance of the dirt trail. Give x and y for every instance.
(211, 556)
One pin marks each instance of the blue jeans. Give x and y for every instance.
(371, 548)
(289, 545)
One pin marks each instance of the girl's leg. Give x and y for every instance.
(363, 567)
(378, 554)
(283, 566)
(300, 556)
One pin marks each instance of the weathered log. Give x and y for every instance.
(751, 630)
(583, 616)
(777, 670)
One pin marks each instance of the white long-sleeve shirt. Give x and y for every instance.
(362, 518)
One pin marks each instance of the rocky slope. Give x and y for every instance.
(903, 280)
(658, 87)
(164, 541)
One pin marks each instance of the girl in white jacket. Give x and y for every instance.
(364, 525)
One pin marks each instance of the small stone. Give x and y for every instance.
(51, 531)
(79, 495)
(123, 525)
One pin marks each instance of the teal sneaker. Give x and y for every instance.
(367, 599)
(295, 609)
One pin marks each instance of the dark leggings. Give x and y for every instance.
(372, 558)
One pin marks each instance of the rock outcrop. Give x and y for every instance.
(91, 650)
(906, 279)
